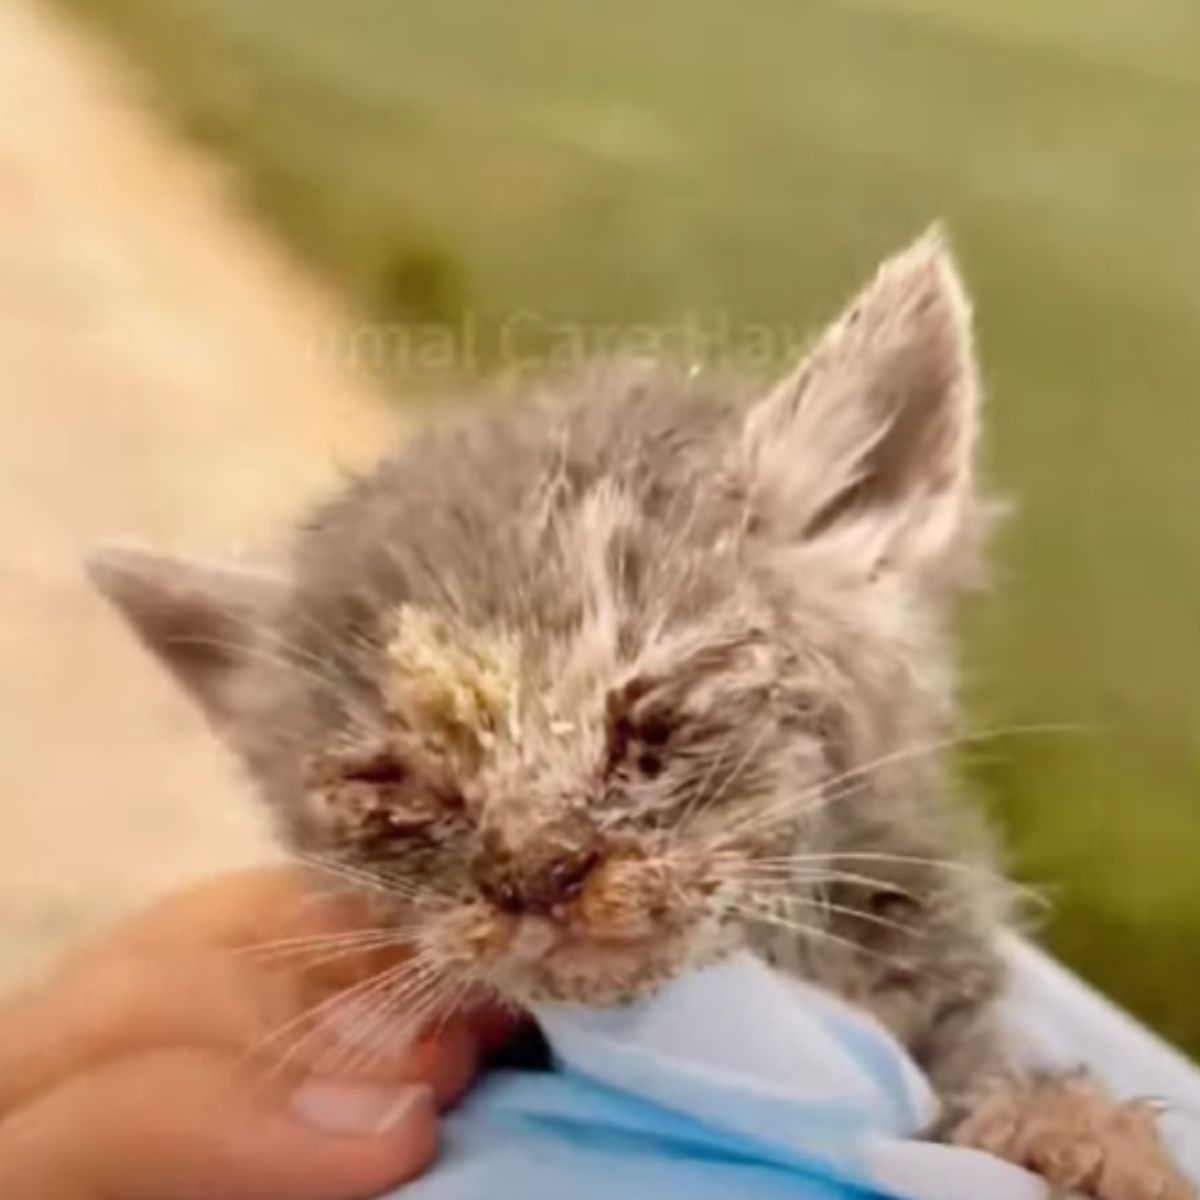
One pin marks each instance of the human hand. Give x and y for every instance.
(179, 1060)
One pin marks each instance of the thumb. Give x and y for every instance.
(188, 1124)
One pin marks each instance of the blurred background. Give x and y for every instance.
(323, 213)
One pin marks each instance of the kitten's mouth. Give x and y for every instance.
(567, 957)
(629, 930)
(539, 941)
(533, 939)
(549, 959)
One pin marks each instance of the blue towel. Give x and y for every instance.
(735, 1082)
(731, 1082)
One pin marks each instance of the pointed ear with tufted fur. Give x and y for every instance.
(871, 439)
(202, 619)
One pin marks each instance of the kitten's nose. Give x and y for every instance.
(541, 886)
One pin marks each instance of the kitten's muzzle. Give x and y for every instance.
(541, 887)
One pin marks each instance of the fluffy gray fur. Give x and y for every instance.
(600, 686)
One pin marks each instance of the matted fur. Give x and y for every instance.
(614, 681)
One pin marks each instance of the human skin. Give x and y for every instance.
(159, 1064)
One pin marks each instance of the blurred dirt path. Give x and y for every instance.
(165, 372)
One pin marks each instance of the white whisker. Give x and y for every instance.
(298, 947)
(317, 1015)
(789, 807)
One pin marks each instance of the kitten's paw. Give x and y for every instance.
(1077, 1137)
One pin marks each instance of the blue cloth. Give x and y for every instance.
(730, 1082)
(735, 1082)
(564, 1136)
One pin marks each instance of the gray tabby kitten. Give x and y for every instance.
(600, 689)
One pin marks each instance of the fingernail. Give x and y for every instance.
(357, 1109)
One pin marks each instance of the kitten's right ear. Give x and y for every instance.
(872, 437)
(202, 619)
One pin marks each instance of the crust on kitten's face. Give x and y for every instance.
(615, 683)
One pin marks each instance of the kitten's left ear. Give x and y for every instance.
(204, 620)
(871, 439)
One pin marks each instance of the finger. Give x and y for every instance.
(493, 1026)
(270, 916)
(276, 1021)
(239, 908)
(125, 1005)
(445, 1057)
(185, 1124)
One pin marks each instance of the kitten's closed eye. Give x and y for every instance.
(892, 903)
(380, 767)
(373, 796)
(638, 743)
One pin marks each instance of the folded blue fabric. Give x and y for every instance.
(738, 1082)
(731, 1082)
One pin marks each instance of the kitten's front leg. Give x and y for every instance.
(1068, 1129)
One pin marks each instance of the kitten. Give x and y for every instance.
(601, 688)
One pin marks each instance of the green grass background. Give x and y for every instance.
(649, 159)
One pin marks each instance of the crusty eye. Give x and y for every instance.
(372, 796)
(638, 743)
(654, 730)
(892, 903)
(380, 768)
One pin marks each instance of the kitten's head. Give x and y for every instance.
(593, 693)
